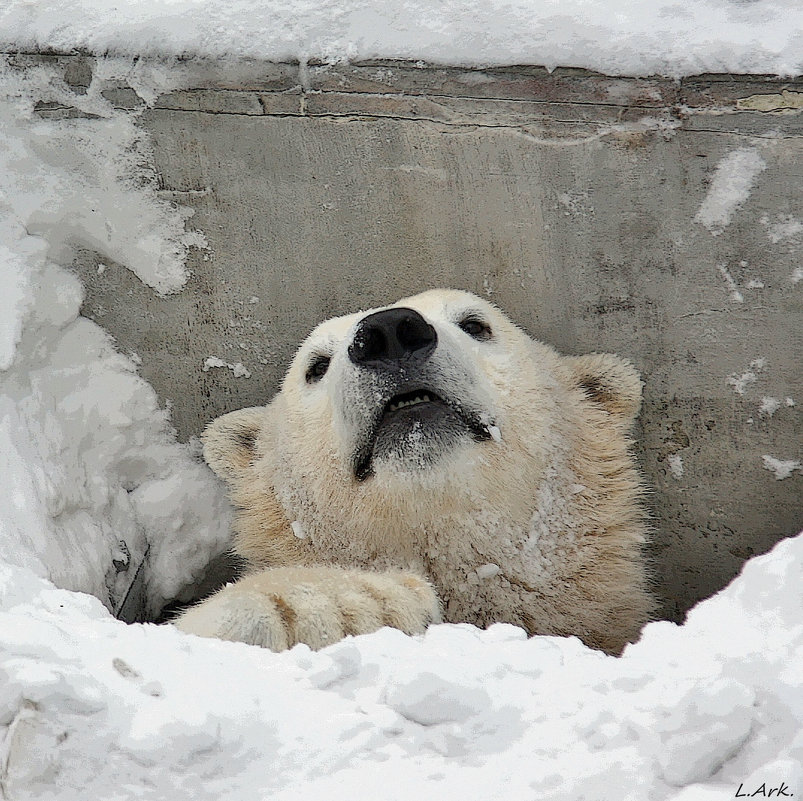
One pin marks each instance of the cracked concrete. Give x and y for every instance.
(567, 198)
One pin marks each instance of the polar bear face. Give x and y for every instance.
(435, 435)
(406, 391)
(436, 392)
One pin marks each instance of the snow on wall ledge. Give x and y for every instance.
(93, 708)
(618, 37)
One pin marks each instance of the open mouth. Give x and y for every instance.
(442, 420)
(408, 399)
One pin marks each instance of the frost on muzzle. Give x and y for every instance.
(413, 418)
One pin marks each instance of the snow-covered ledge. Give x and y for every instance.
(615, 37)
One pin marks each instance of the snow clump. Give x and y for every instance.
(730, 188)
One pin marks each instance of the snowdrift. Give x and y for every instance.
(93, 477)
(93, 708)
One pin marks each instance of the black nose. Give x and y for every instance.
(387, 338)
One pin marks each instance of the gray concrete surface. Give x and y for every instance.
(567, 198)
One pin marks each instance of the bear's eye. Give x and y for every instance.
(317, 369)
(475, 328)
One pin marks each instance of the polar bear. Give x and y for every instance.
(429, 461)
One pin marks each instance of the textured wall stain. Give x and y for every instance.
(784, 101)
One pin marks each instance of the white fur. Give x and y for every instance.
(550, 497)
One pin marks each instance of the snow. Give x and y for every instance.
(786, 227)
(730, 188)
(735, 295)
(769, 406)
(613, 36)
(740, 383)
(237, 369)
(783, 468)
(94, 480)
(675, 461)
(93, 708)
(62, 173)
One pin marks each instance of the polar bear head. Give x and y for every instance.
(412, 393)
(435, 434)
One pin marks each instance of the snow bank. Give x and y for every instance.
(92, 708)
(94, 481)
(618, 37)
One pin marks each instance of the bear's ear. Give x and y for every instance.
(230, 442)
(610, 381)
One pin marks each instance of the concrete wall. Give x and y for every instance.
(568, 198)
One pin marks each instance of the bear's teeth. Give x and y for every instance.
(414, 402)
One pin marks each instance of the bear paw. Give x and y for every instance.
(282, 606)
